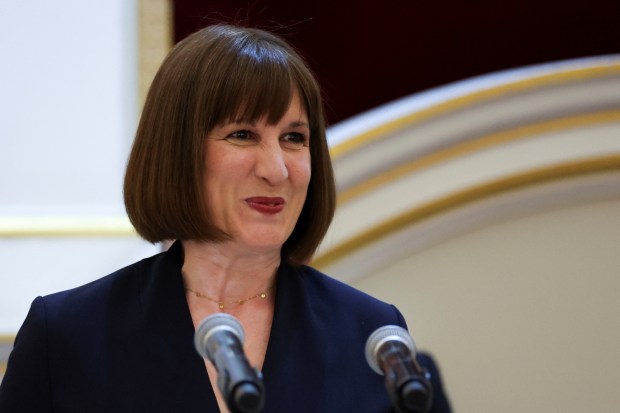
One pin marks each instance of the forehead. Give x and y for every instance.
(296, 115)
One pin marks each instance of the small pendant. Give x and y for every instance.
(263, 295)
(221, 305)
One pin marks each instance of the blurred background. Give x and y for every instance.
(477, 154)
(367, 53)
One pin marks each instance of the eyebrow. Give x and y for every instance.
(299, 124)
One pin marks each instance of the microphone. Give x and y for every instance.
(390, 351)
(219, 338)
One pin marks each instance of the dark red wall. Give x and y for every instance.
(368, 53)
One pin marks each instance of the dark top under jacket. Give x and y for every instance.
(124, 343)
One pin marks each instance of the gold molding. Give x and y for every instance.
(562, 77)
(473, 145)
(154, 41)
(37, 226)
(5, 340)
(467, 196)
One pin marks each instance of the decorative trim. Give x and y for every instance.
(474, 145)
(512, 88)
(36, 226)
(155, 40)
(5, 341)
(467, 196)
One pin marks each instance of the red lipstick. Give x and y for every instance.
(266, 205)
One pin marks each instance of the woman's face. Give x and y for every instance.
(257, 177)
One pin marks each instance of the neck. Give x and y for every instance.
(224, 273)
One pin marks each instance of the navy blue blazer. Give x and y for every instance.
(124, 343)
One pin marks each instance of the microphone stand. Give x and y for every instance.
(406, 382)
(219, 338)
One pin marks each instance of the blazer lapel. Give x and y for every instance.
(170, 331)
(294, 357)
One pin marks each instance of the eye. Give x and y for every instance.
(241, 137)
(294, 140)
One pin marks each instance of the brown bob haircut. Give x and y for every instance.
(218, 74)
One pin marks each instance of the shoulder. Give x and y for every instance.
(96, 290)
(108, 291)
(326, 284)
(85, 317)
(343, 300)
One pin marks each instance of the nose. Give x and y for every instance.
(271, 163)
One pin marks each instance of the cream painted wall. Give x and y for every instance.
(522, 316)
(68, 105)
(68, 110)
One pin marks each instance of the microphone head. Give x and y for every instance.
(381, 336)
(212, 324)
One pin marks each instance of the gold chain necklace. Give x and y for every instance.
(221, 304)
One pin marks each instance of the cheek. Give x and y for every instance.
(304, 177)
(224, 166)
(216, 172)
(303, 172)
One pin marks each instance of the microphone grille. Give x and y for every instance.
(380, 336)
(213, 323)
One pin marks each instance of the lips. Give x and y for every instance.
(266, 205)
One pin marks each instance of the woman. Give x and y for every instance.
(230, 159)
